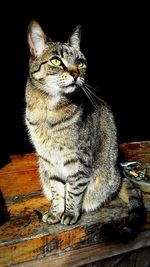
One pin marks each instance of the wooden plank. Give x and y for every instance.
(122, 260)
(89, 254)
(21, 212)
(143, 257)
(23, 220)
(134, 151)
(19, 183)
(20, 176)
(23, 237)
(20, 163)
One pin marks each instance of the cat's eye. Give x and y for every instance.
(80, 64)
(56, 61)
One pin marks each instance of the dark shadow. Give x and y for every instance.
(4, 157)
(4, 213)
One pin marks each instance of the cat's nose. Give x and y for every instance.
(74, 72)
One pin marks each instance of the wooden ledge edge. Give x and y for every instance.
(89, 254)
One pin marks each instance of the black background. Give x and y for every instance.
(114, 40)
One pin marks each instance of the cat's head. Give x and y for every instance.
(54, 67)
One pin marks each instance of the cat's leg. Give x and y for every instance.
(54, 190)
(75, 188)
(53, 215)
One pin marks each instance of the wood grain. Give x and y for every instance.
(90, 254)
(19, 176)
(135, 151)
(20, 163)
(26, 241)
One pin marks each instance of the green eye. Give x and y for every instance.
(80, 64)
(56, 61)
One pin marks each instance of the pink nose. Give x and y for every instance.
(73, 72)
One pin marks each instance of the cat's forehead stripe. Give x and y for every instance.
(65, 49)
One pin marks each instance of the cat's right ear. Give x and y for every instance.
(36, 38)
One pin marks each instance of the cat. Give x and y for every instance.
(75, 140)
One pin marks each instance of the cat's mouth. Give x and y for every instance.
(71, 84)
(77, 82)
(69, 88)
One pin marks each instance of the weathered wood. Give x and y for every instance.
(20, 176)
(24, 238)
(136, 151)
(122, 260)
(88, 254)
(19, 183)
(138, 258)
(143, 257)
(20, 163)
(25, 232)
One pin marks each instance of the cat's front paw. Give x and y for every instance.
(70, 217)
(51, 217)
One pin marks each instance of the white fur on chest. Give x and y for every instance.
(58, 159)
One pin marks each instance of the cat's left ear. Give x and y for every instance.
(75, 37)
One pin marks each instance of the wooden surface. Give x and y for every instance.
(136, 258)
(26, 241)
(136, 151)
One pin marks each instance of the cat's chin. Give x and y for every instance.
(70, 89)
(73, 86)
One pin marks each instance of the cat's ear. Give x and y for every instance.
(75, 37)
(36, 38)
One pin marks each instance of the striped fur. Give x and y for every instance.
(76, 142)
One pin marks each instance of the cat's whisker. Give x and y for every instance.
(92, 92)
(89, 97)
(90, 86)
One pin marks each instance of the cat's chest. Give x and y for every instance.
(59, 159)
(59, 150)
(56, 156)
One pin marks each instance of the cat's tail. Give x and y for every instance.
(137, 215)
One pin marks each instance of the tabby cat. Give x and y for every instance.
(76, 141)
